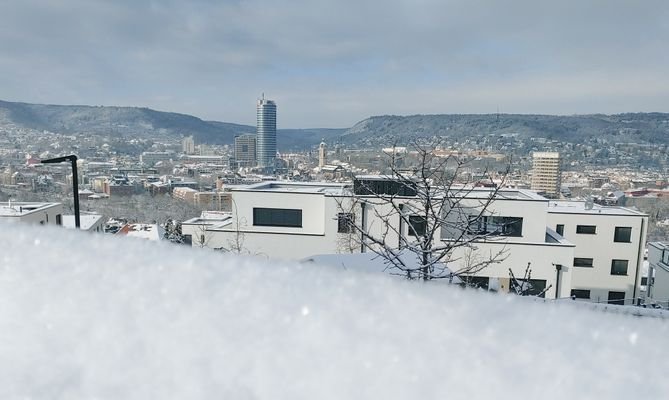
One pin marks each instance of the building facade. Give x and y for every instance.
(610, 243)
(658, 274)
(546, 173)
(245, 150)
(36, 213)
(266, 133)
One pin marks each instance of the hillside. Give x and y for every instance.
(141, 122)
(639, 127)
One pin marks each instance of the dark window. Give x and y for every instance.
(532, 287)
(277, 217)
(582, 262)
(580, 294)
(586, 229)
(481, 282)
(345, 222)
(617, 298)
(417, 225)
(619, 267)
(59, 219)
(188, 239)
(496, 226)
(623, 234)
(559, 229)
(384, 187)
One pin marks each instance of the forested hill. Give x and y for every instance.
(373, 131)
(141, 122)
(631, 127)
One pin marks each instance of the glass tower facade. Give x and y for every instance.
(266, 134)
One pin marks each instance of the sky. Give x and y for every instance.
(332, 63)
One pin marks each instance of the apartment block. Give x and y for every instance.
(610, 244)
(546, 174)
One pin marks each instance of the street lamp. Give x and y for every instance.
(75, 182)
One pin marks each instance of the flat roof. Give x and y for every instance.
(294, 187)
(16, 209)
(578, 207)
(86, 221)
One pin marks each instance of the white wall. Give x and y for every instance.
(659, 292)
(602, 249)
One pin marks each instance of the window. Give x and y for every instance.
(559, 229)
(481, 282)
(345, 222)
(623, 234)
(59, 219)
(583, 262)
(617, 298)
(496, 226)
(417, 225)
(586, 229)
(580, 294)
(277, 217)
(532, 287)
(619, 267)
(376, 186)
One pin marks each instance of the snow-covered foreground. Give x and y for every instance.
(96, 317)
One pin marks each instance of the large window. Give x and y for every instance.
(586, 229)
(59, 219)
(345, 222)
(623, 234)
(583, 262)
(619, 267)
(277, 217)
(617, 298)
(496, 226)
(580, 294)
(417, 225)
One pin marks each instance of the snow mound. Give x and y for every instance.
(96, 317)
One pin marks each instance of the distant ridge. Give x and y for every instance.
(650, 128)
(140, 122)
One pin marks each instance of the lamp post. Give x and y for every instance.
(75, 182)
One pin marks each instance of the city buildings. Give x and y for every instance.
(546, 173)
(266, 134)
(188, 145)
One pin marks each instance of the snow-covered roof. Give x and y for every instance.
(111, 319)
(143, 231)
(86, 221)
(579, 207)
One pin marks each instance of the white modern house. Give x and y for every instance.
(572, 248)
(31, 212)
(658, 274)
(609, 251)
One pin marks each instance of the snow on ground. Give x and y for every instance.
(97, 317)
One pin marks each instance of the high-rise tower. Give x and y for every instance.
(546, 173)
(266, 133)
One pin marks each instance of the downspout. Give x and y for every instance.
(399, 236)
(363, 225)
(639, 260)
(558, 268)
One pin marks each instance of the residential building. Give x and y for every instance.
(188, 145)
(245, 150)
(546, 173)
(150, 158)
(266, 134)
(37, 213)
(271, 217)
(87, 222)
(609, 241)
(658, 274)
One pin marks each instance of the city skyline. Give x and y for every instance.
(332, 64)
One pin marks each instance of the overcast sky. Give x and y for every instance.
(331, 63)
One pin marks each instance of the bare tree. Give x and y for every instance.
(418, 218)
(525, 286)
